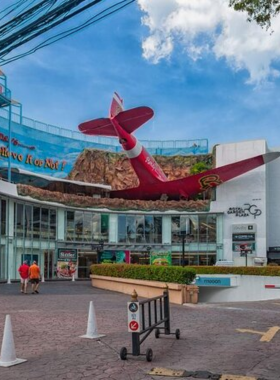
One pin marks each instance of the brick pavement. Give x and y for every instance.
(47, 329)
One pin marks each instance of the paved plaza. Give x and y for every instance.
(47, 329)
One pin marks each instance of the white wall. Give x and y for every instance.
(273, 189)
(249, 288)
(247, 188)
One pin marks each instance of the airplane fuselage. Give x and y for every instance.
(141, 161)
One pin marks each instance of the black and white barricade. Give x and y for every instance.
(144, 317)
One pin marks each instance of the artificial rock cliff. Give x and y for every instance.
(97, 166)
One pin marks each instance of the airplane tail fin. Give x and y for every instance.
(129, 120)
(116, 105)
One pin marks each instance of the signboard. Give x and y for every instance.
(133, 314)
(67, 254)
(243, 248)
(114, 257)
(66, 262)
(243, 228)
(161, 258)
(244, 238)
(213, 281)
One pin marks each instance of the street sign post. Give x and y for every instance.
(133, 316)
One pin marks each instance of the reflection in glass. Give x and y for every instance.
(36, 222)
(3, 217)
(44, 223)
(121, 228)
(79, 224)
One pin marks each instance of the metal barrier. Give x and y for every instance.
(143, 318)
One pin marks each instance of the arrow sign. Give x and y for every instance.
(134, 326)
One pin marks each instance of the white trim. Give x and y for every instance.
(118, 100)
(134, 152)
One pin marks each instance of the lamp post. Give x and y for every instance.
(148, 249)
(183, 236)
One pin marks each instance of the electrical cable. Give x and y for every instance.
(89, 22)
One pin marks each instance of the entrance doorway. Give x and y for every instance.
(2, 262)
(85, 260)
(48, 264)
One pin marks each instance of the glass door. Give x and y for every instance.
(85, 260)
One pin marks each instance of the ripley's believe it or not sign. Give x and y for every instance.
(43, 153)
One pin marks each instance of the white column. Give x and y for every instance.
(166, 229)
(113, 228)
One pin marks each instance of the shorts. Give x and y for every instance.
(34, 280)
(24, 281)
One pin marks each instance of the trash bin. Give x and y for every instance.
(191, 294)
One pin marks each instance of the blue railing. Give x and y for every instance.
(165, 148)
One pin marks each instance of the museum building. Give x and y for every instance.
(240, 226)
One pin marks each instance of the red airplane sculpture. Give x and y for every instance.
(153, 184)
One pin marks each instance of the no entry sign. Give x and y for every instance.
(133, 316)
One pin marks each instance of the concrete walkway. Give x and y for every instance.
(47, 329)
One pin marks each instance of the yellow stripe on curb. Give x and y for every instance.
(236, 377)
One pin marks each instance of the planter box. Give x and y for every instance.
(148, 289)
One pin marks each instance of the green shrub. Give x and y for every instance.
(174, 274)
(248, 271)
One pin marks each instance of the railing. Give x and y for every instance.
(156, 147)
(143, 318)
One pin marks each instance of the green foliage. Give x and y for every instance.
(260, 11)
(177, 275)
(247, 271)
(199, 167)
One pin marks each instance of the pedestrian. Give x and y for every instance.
(24, 273)
(34, 275)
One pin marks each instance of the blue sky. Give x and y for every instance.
(205, 71)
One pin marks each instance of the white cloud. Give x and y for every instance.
(228, 35)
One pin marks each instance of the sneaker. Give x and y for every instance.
(36, 291)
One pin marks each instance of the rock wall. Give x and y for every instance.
(96, 166)
(111, 204)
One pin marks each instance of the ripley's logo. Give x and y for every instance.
(208, 181)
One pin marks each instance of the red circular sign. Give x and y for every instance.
(133, 325)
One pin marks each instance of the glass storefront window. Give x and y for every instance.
(121, 228)
(149, 229)
(158, 229)
(79, 225)
(3, 217)
(212, 228)
(131, 229)
(70, 225)
(19, 220)
(96, 231)
(36, 222)
(45, 223)
(52, 224)
(196, 228)
(86, 226)
(28, 221)
(104, 227)
(87, 235)
(139, 229)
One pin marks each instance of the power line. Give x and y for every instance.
(99, 16)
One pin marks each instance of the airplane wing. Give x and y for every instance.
(192, 185)
(100, 127)
(132, 119)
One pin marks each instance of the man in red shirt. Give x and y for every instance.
(24, 273)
